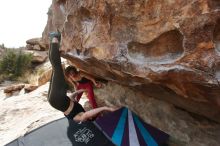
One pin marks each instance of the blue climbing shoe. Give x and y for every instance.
(55, 34)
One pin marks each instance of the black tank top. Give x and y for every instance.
(83, 80)
(76, 109)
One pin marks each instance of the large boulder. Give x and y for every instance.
(36, 44)
(38, 56)
(168, 50)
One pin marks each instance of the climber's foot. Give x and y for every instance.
(56, 35)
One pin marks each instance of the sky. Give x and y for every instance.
(21, 20)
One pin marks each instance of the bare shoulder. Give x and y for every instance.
(78, 117)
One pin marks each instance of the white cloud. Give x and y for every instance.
(21, 20)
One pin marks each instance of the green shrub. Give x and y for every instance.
(14, 63)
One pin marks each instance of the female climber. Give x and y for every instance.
(81, 80)
(57, 94)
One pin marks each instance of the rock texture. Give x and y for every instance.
(166, 49)
(46, 71)
(38, 56)
(184, 129)
(36, 44)
(29, 87)
(13, 88)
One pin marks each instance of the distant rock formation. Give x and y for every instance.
(39, 52)
(36, 44)
(15, 89)
(38, 49)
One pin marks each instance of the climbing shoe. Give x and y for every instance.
(55, 34)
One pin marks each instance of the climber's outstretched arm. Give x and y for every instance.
(88, 115)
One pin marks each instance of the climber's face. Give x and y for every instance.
(73, 76)
(74, 73)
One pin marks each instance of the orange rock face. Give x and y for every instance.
(167, 49)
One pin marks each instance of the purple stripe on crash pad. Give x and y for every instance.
(109, 121)
(159, 136)
(125, 138)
